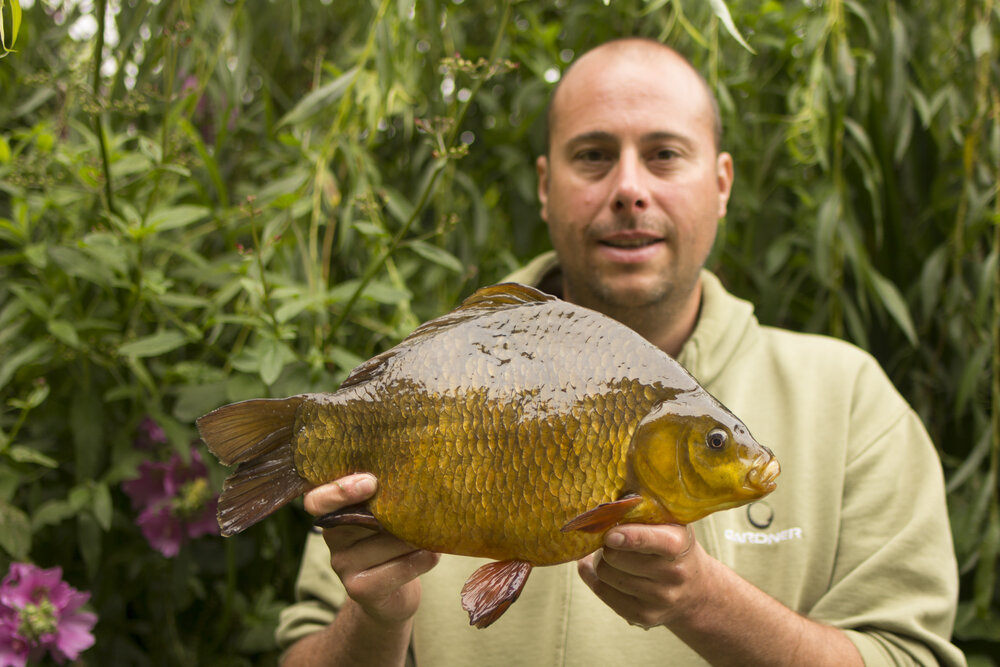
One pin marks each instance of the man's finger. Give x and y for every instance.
(669, 540)
(343, 492)
(354, 550)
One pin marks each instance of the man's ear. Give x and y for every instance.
(542, 166)
(724, 178)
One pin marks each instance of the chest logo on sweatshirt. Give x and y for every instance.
(761, 515)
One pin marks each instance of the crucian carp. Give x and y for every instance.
(516, 427)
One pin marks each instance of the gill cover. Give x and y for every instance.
(692, 456)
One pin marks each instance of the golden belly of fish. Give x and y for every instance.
(517, 427)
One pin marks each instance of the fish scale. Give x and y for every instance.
(518, 427)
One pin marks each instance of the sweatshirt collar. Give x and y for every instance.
(725, 325)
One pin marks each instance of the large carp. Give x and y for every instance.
(517, 427)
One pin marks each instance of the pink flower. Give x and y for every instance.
(175, 502)
(39, 612)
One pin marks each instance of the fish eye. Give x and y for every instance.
(716, 438)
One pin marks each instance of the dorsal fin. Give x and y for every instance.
(494, 297)
(369, 369)
(502, 295)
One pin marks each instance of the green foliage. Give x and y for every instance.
(211, 201)
(7, 44)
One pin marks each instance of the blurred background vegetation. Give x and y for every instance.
(202, 202)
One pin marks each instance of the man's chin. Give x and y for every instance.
(632, 294)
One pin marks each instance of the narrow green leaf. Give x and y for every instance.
(986, 571)
(932, 279)
(437, 255)
(982, 40)
(399, 206)
(102, 507)
(184, 301)
(195, 400)
(722, 11)
(15, 27)
(388, 294)
(894, 304)
(106, 250)
(78, 263)
(15, 532)
(36, 397)
(273, 357)
(319, 99)
(65, 332)
(155, 344)
(51, 513)
(176, 216)
(28, 354)
(972, 375)
(970, 465)
(25, 454)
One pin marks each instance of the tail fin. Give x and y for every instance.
(257, 435)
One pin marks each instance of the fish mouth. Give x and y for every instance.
(761, 477)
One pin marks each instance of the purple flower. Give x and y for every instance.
(39, 612)
(149, 434)
(175, 502)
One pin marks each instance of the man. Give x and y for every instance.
(848, 562)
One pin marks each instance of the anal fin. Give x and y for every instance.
(492, 589)
(603, 516)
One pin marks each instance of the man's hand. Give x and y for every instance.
(659, 575)
(379, 571)
(647, 574)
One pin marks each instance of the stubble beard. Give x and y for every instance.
(632, 307)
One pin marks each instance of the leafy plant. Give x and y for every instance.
(204, 202)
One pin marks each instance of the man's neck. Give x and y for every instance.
(667, 326)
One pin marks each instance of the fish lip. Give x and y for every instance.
(761, 477)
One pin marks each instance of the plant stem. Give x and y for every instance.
(259, 253)
(328, 151)
(376, 266)
(102, 138)
(431, 186)
(994, 472)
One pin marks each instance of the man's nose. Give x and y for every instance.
(630, 195)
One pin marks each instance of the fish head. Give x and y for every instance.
(695, 457)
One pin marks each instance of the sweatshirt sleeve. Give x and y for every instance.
(894, 585)
(318, 595)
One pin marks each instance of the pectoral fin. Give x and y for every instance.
(492, 588)
(603, 516)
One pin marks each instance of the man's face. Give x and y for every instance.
(633, 187)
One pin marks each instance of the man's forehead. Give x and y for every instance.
(617, 75)
(638, 72)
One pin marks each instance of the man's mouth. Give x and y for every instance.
(629, 243)
(630, 239)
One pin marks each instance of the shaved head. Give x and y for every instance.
(640, 49)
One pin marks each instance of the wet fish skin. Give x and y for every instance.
(517, 427)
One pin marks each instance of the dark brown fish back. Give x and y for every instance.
(488, 435)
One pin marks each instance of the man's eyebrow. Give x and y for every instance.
(654, 137)
(595, 137)
(602, 137)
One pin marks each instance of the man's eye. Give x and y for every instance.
(665, 154)
(591, 155)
